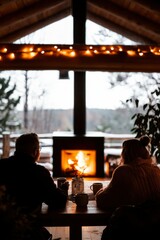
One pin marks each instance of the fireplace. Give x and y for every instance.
(78, 155)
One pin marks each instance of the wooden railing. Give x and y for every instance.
(7, 141)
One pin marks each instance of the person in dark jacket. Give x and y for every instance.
(30, 184)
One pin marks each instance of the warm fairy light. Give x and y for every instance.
(73, 54)
(33, 54)
(49, 53)
(29, 55)
(120, 49)
(155, 50)
(103, 48)
(65, 53)
(4, 50)
(157, 53)
(131, 53)
(12, 56)
(27, 49)
(88, 52)
(39, 49)
(108, 52)
(141, 54)
(95, 51)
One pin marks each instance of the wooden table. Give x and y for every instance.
(75, 218)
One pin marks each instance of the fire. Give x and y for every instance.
(70, 162)
(79, 162)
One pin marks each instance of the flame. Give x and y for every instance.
(80, 162)
(70, 161)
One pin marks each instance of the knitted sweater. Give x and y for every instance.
(130, 184)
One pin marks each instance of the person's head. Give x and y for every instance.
(136, 148)
(28, 144)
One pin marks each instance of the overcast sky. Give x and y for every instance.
(59, 93)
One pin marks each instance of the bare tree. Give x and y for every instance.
(26, 100)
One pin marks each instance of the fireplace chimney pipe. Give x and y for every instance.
(79, 116)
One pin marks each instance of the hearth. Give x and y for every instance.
(81, 155)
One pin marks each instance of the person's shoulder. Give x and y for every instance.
(123, 169)
(41, 169)
(6, 164)
(6, 160)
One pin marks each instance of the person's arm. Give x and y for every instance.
(117, 192)
(54, 197)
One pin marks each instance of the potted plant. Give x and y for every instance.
(148, 122)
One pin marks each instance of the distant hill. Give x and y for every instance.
(106, 120)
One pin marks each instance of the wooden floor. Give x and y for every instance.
(88, 233)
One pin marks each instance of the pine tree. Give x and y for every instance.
(7, 102)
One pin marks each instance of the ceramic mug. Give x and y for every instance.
(95, 187)
(81, 199)
(60, 180)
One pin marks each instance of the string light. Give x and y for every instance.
(21, 51)
(79, 57)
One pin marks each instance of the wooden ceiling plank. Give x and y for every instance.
(130, 20)
(140, 7)
(14, 36)
(30, 11)
(125, 10)
(108, 64)
(150, 4)
(132, 35)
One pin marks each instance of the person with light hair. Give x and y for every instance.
(135, 181)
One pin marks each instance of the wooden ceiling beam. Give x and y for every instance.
(119, 29)
(80, 57)
(149, 11)
(29, 12)
(149, 4)
(106, 63)
(15, 35)
(124, 17)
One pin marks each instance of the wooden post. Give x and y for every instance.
(79, 21)
(5, 144)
